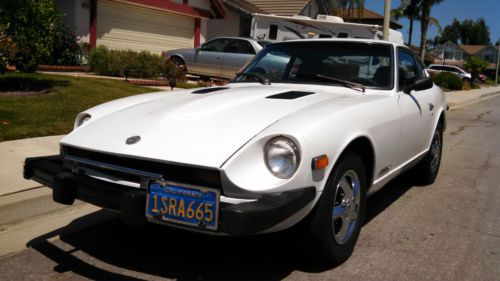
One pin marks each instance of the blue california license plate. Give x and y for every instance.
(188, 205)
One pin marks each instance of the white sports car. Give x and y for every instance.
(305, 133)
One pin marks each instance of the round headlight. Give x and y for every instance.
(282, 157)
(82, 119)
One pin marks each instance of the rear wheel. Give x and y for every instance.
(427, 170)
(336, 222)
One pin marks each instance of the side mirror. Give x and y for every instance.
(419, 85)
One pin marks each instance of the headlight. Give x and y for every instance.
(282, 157)
(82, 118)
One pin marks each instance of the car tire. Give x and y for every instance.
(428, 168)
(336, 222)
(178, 62)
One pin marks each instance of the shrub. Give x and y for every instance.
(449, 81)
(475, 65)
(8, 51)
(466, 86)
(36, 28)
(104, 61)
(64, 48)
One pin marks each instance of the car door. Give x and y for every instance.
(417, 107)
(236, 54)
(208, 58)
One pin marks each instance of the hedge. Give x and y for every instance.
(104, 61)
(448, 81)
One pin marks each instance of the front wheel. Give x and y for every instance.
(338, 217)
(178, 62)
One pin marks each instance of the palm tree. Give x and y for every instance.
(345, 8)
(409, 9)
(424, 23)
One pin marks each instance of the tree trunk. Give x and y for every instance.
(410, 31)
(424, 25)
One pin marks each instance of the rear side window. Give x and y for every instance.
(239, 47)
(217, 45)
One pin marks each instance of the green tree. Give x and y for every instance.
(345, 8)
(451, 32)
(475, 65)
(35, 27)
(409, 9)
(467, 32)
(425, 20)
(481, 33)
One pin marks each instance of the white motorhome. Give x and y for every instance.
(282, 28)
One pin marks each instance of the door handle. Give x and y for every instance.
(431, 107)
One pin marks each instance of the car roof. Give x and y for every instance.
(235, 37)
(358, 40)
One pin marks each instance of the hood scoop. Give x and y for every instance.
(209, 90)
(291, 95)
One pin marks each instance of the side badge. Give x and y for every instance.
(133, 140)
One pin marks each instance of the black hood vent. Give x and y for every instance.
(291, 95)
(209, 90)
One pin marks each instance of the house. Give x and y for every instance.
(151, 25)
(453, 54)
(429, 57)
(364, 16)
(239, 14)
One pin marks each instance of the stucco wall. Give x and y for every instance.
(76, 15)
(229, 26)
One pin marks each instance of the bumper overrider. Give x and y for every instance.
(234, 219)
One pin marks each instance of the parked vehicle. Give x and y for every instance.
(438, 68)
(298, 136)
(282, 28)
(220, 57)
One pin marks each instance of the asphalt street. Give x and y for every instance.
(447, 231)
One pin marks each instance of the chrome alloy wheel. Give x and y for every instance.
(346, 206)
(435, 151)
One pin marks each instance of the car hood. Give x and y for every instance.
(197, 129)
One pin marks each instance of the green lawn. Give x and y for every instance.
(53, 113)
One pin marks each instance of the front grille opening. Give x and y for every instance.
(114, 174)
(205, 177)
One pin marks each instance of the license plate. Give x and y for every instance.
(183, 204)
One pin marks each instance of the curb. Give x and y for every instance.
(483, 97)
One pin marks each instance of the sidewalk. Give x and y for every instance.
(458, 99)
(13, 153)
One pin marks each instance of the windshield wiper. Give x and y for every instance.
(263, 80)
(346, 83)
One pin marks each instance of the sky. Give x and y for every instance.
(445, 12)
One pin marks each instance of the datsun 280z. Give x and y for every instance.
(301, 136)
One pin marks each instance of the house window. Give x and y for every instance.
(490, 58)
(448, 55)
(273, 32)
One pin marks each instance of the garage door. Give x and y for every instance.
(122, 26)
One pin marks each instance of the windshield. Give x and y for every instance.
(367, 64)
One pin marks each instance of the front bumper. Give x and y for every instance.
(234, 219)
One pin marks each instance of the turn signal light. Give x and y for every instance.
(320, 162)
